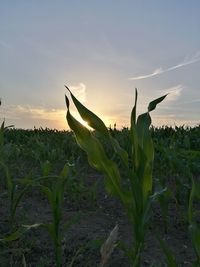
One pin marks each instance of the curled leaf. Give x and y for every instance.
(108, 247)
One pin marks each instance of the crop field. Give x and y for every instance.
(100, 197)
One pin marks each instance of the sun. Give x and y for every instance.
(84, 123)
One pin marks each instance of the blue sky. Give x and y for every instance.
(102, 50)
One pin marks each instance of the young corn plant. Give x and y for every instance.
(170, 259)
(163, 200)
(14, 195)
(53, 187)
(194, 229)
(135, 189)
(55, 195)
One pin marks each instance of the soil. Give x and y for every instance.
(98, 217)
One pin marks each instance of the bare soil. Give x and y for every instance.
(81, 241)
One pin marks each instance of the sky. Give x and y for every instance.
(102, 50)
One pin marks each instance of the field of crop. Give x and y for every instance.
(100, 198)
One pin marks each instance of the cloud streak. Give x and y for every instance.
(27, 111)
(173, 92)
(26, 116)
(185, 62)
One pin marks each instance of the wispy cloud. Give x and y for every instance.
(27, 116)
(22, 111)
(173, 92)
(79, 91)
(154, 73)
(185, 62)
(30, 116)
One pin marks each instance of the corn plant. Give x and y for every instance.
(7, 242)
(194, 230)
(135, 190)
(163, 200)
(53, 187)
(3, 128)
(14, 195)
(55, 195)
(170, 259)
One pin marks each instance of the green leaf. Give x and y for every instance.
(197, 189)
(97, 157)
(17, 200)
(194, 193)
(195, 236)
(92, 119)
(65, 171)
(21, 231)
(46, 190)
(97, 124)
(154, 103)
(145, 154)
(12, 237)
(120, 151)
(2, 134)
(51, 230)
(171, 262)
(46, 168)
(2, 125)
(133, 133)
(145, 140)
(9, 181)
(75, 219)
(133, 112)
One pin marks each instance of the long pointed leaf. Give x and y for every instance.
(95, 152)
(195, 236)
(97, 124)
(171, 262)
(133, 113)
(21, 231)
(154, 103)
(92, 119)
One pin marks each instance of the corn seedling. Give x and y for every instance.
(136, 190)
(14, 196)
(53, 187)
(55, 196)
(3, 128)
(163, 200)
(193, 227)
(9, 244)
(170, 259)
(46, 168)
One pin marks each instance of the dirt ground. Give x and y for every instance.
(81, 241)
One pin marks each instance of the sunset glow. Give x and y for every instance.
(136, 45)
